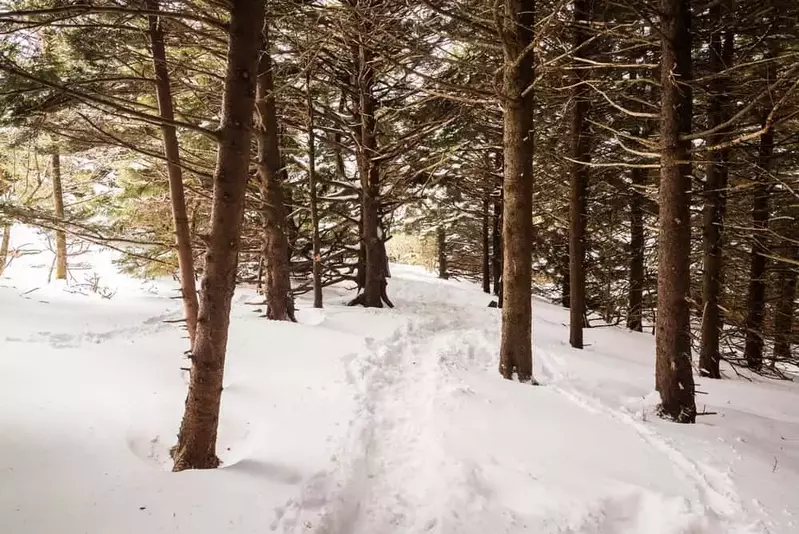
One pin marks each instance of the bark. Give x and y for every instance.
(715, 202)
(58, 205)
(515, 355)
(674, 376)
(441, 241)
(271, 175)
(314, 202)
(496, 250)
(196, 448)
(486, 246)
(565, 277)
(635, 304)
(180, 219)
(756, 296)
(581, 151)
(4, 247)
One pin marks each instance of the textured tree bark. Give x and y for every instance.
(271, 174)
(674, 375)
(581, 151)
(4, 247)
(58, 205)
(196, 448)
(756, 297)
(515, 354)
(441, 241)
(486, 246)
(715, 201)
(174, 171)
(635, 303)
(314, 202)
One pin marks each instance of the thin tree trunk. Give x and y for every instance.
(314, 202)
(4, 247)
(756, 309)
(496, 250)
(565, 277)
(515, 354)
(271, 173)
(486, 245)
(58, 205)
(174, 171)
(715, 202)
(196, 448)
(783, 317)
(581, 151)
(441, 240)
(674, 376)
(635, 305)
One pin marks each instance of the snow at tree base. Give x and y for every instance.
(368, 421)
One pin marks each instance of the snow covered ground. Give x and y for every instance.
(368, 422)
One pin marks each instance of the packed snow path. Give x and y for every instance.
(373, 422)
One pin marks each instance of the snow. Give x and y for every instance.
(368, 422)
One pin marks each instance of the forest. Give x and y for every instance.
(532, 181)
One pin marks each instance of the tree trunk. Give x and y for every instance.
(314, 202)
(496, 250)
(635, 305)
(58, 205)
(4, 247)
(486, 245)
(271, 174)
(783, 317)
(515, 355)
(565, 277)
(715, 201)
(756, 309)
(674, 376)
(581, 151)
(441, 240)
(174, 171)
(196, 448)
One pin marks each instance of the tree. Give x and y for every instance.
(196, 448)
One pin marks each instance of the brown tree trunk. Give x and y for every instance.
(496, 250)
(515, 354)
(635, 303)
(4, 247)
(196, 448)
(58, 205)
(674, 372)
(715, 202)
(441, 241)
(314, 202)
(174, 171)
(756, 309)
(581, 151)
(486, 245)
(271, 174)
(565, 277)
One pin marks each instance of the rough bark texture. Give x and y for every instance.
(314, 202)
(515, 355)
(581, 151)
(174, 171)
(486, 246)
(196, 448)
(271, 174)
(635, 304)
(441, 240)
(4, 247)
(756, 309)
(674, 376)
(715, 202)
(58, 207)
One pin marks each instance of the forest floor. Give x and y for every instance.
(359, 421)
